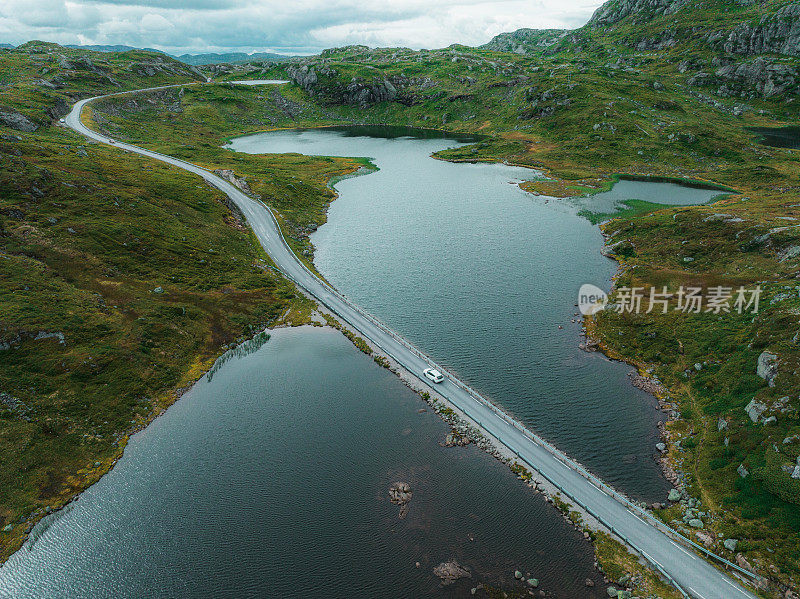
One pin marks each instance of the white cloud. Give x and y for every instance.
(294, 26)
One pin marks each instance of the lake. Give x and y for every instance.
(270, 478)
(481, 275)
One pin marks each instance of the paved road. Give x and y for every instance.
(692, 573)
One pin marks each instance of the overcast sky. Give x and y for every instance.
(287, 26)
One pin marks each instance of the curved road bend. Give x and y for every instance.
(693, 574)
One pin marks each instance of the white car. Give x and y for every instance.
(433, 374)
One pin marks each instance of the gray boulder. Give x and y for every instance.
(674, 495)
(696, 523)
(767, 367)
(730, 544)
(775, 34)
(742, 471)
(754, 409)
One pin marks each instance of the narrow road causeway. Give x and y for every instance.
(672, 555)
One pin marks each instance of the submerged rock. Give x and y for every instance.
(451, 571)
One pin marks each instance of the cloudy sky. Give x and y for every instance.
(287, 26)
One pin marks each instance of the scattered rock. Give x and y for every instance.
(661, 447)
(612, 591)
(695, 523)
(705, 538)
(742, 562)
(589, 582)
(518, 575)
(533, 582)
(674, 495)
(767, 367)
(754, 409)
(730, 544)
(743, 472)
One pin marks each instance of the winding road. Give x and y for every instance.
(664, 549)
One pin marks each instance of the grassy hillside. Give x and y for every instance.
(121, 280)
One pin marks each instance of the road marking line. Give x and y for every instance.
(684, 550)
(738, 588)
(696, 593)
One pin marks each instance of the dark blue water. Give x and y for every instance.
(778, 137)
(270, 479)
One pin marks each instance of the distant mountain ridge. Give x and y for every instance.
(191, 59)
(230, 58)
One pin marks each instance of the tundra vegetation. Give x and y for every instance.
(666, 89)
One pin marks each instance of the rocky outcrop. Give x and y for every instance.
(239, 182)
(642, 10)
(358, 91)
(526, 41)
(57, 109)
(304, 76)
(774, 34)
(543, 104)
(761, 75)
(15, 120)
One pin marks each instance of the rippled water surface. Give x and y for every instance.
(270, 479)
(481, 274)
